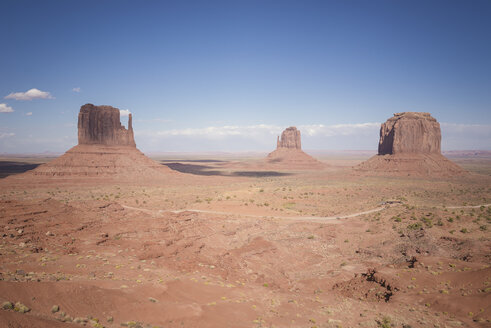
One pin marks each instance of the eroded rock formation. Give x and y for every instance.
(290, 138)
(410, 145)
(410, 132)
(105, 149)
(289, 154)
(101, 125)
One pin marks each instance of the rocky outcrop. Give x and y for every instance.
(290, 138)
(105, 150)
(410, 132)
(101, 125)
(410, 145)
(289, 154)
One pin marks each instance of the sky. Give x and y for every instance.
(231, 75)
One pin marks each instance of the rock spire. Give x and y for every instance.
(290, 138)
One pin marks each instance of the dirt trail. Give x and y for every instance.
(310, 218)
(471, 206)
(159, 212)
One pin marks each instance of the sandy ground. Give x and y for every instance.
(225, 244)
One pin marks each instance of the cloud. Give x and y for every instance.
(338, 129)
(265, 129)
(28, 113)
(4, 108)
(6, 134)
(259, 137)
(456, 136)
(124, 112)
(77, 89)
(224, 131)
(29, 95)
(477, 129)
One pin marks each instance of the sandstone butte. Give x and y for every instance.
(105, 149)
(410, 144)
(101, 125)
(289, 154)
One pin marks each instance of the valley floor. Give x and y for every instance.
(325, 248)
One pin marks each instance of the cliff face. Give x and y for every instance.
(101, 125)
(410, 132)
(290, 138)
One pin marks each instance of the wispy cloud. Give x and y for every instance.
(482, 129)
(4, 108)
(259, 137)
(338, 129)
(268, 129)
(124, 112)
(457, 136)
(223, 131)
(77, 89)
(6, 134)
(29, 95)
(28, 114)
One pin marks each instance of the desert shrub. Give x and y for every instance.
(427, 221)
(384, 323)
(415, 226)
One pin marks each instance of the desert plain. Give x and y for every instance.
(225, 241)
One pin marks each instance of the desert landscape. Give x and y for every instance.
(104, 236)
(245, 164)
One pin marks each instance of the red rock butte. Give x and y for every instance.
(410, 144)
(105, 149)
(289, 154)
(101, 125)
(290, 138)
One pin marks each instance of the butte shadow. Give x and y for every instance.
(15, 167)
(410, 145)
(208, 170)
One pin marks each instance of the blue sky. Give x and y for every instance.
(230, 75)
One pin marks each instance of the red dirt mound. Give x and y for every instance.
(293, 159)
(101, 161)
(410, 165)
